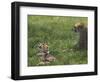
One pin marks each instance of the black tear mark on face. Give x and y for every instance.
(77, 29)
(40, 46)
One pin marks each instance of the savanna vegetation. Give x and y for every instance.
(57, 32)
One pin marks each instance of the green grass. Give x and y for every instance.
(57, 32)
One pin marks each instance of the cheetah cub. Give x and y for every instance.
(44, 54)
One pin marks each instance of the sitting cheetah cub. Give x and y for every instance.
(44, 55)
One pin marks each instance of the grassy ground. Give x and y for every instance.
(57, 32)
